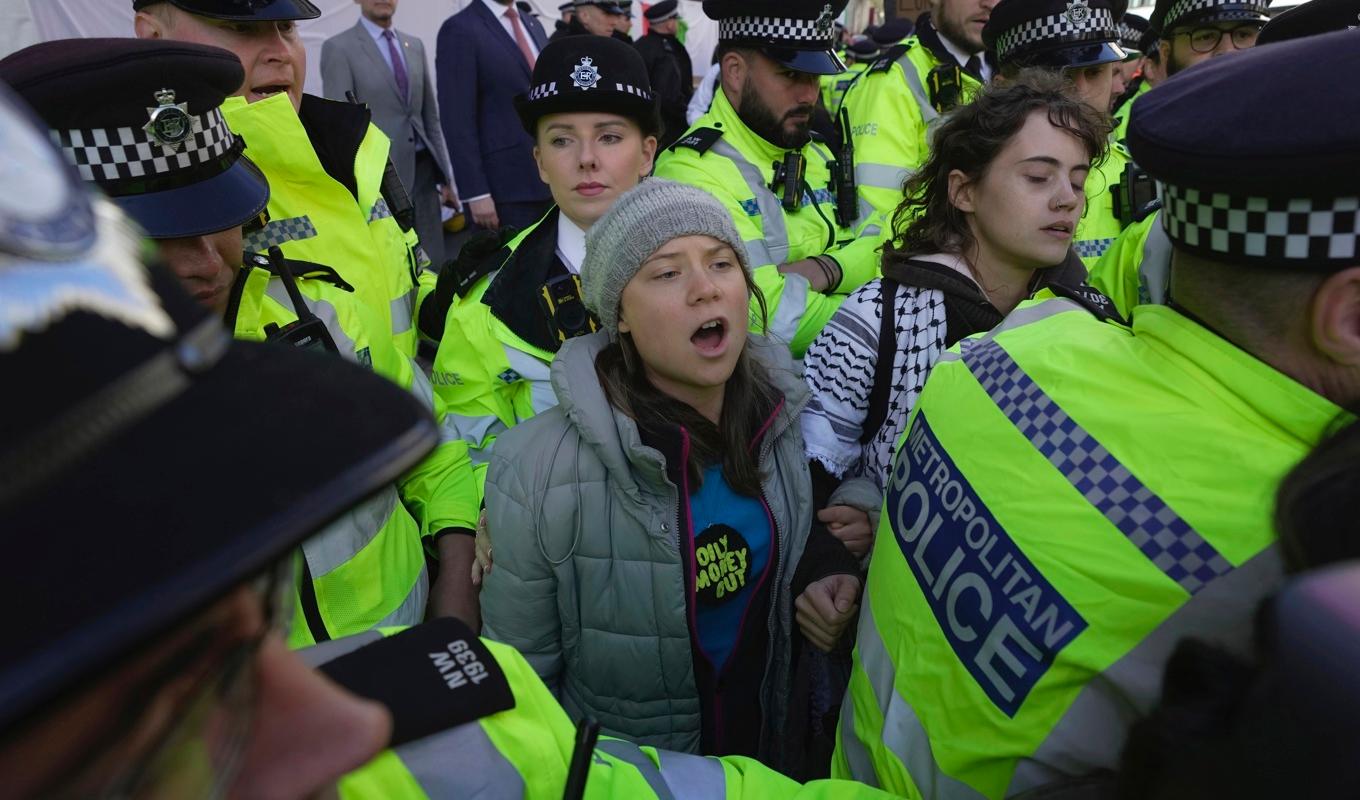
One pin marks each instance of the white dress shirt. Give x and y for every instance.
(571, 243)
(963, 57)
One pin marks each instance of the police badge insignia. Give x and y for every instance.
(585, 76)
(1078, 12)
(826, 21)
(170, 124)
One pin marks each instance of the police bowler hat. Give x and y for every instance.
(141, 118)
(589, 73)
(148, 463)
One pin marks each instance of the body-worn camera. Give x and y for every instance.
(788, 180)
(567, 316)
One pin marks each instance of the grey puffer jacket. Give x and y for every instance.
(588, 582)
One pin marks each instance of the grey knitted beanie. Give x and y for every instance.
(637, 225)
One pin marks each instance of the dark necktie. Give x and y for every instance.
(398, 66)
(974, 67)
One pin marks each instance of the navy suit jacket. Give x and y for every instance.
(480, 71)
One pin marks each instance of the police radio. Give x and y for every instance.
(307, 332)
(788, 180)
(567, 316)
(843, 175)
(1135, 196)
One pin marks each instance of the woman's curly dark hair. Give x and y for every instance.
(969, 139)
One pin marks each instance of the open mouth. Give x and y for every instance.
(265, 92)
(1063, 229)
(710, 337)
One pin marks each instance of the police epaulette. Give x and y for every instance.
(1091, 299)
(890, 57)
(699, 139)
(433, 677)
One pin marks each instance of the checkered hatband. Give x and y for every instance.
(1200, 8)
(1265, 230)
(777, 29)
(1096, 25)
(128, 160)
(545, 90)
(1129, 37)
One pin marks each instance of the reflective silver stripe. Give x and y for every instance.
(789, 312)
(412, 609)
(776, 233)
(697, 777)
(322, 652)
(341, 540)
(324, 311)
(1144, 518)
(856, 754)
(759, 253)
(1091, 733)
(279, 231)
(1154, 270)
(928, 112)
(421, 386)
(402, 310)
(538, 373)
(903, 733)
(461, 763)
(881, 176)
(630, 753)
(478, 432)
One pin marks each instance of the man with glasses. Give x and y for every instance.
(1198, 30)
(1137, 265)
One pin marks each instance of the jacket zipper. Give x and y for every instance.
(767, 445)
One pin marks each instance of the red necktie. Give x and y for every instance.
(520, 38)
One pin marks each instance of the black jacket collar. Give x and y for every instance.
(336, 130)
(513, 293)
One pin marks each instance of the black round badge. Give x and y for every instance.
(722, 564)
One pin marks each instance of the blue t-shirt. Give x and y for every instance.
(731, 536)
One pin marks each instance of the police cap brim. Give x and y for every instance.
(813, 62)
(269, 11)
(1072, 56)
(224, 201)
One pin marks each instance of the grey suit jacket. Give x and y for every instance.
(351, 62)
